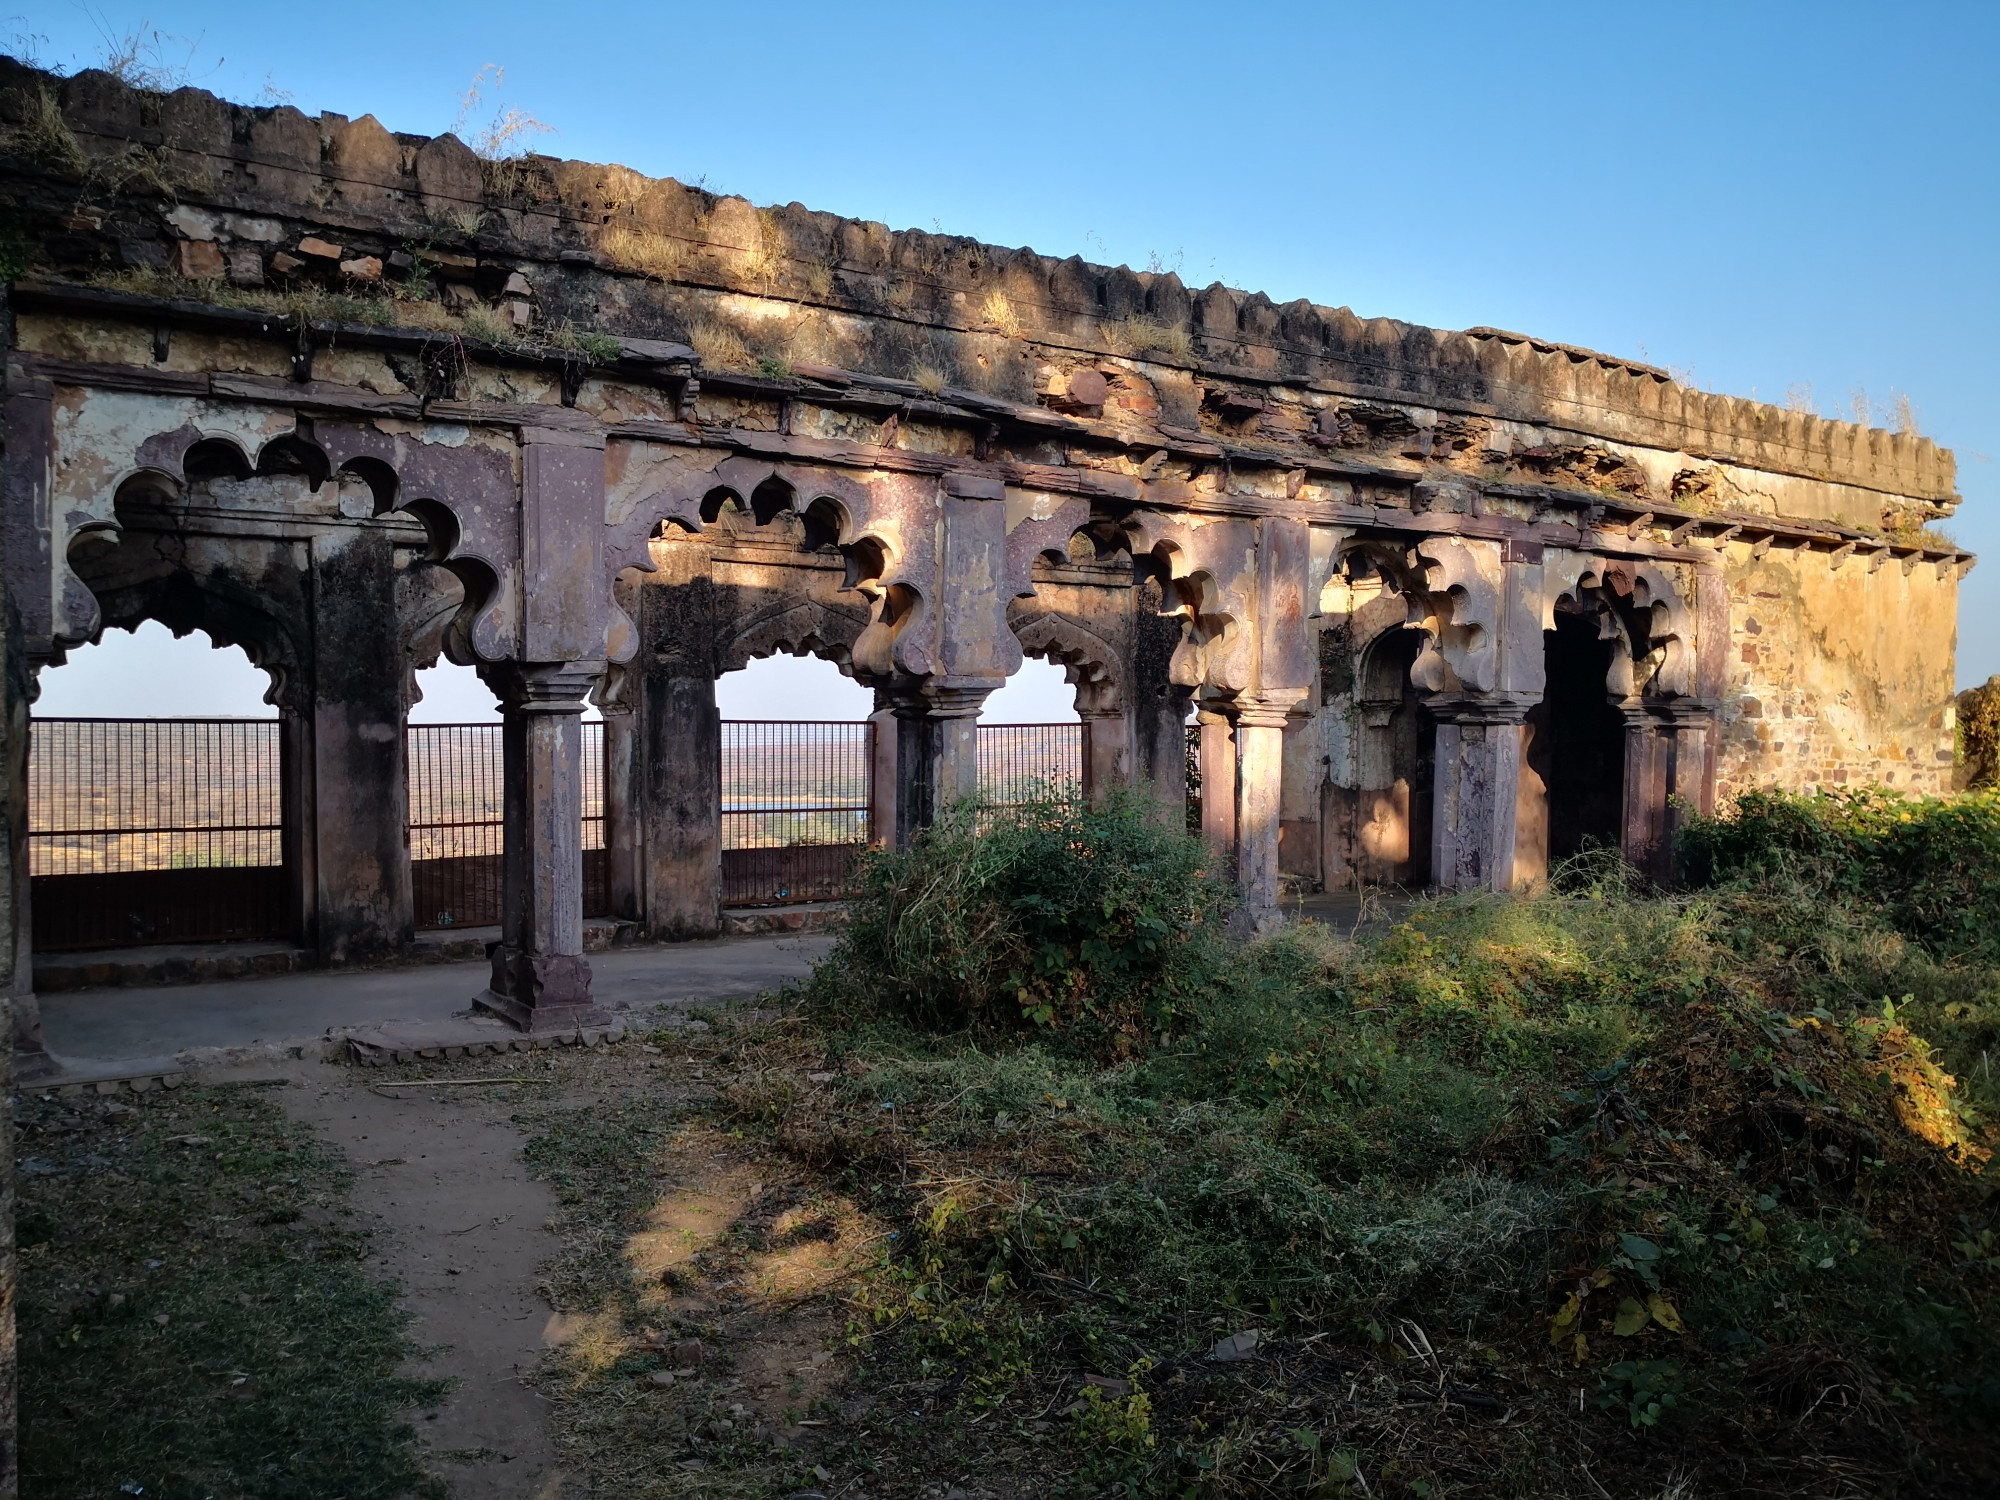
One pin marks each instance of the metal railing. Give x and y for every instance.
(155, 831)
(456, 790)
(1018, 762)
(796, 810)
(171, 830)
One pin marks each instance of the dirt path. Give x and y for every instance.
(462, 1228)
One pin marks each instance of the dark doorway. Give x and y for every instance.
(1577, 740)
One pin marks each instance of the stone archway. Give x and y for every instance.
(1620, 749)
(1396, 764)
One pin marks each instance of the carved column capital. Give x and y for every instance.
(938, 697)
(1480, 708)
(542, 687)
(1263, 710)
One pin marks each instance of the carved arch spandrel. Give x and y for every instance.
(1448, 598)
(1208, 569)
(1456, 603)
(1039, 525)
(461, 483)
(873, 520)
(1637, 605)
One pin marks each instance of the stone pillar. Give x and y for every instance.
(624, 838)
(1669, 776)
(1382, 806)
(1107, 752)
(1478, 789)
(883, 780)
(1644, 813)
(682, 813)
(353, 772)
(937, 752)
(1218, 786)
(541, 980)
(1260, 766)
(30, 1057)
(1159, 706)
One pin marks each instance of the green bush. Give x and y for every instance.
(1930, 866)
(1097, 924)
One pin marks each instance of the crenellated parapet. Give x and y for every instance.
(271, 207)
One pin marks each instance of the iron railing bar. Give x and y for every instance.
(35, 719)
(177, 829)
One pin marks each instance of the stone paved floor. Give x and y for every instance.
(121, 1023)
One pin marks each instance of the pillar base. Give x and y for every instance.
(537, 993)
(32, 1060)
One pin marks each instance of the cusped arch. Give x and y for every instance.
(1636, 605)
(1090, 663)
(129, 586)
(461, 490)
(795, 627)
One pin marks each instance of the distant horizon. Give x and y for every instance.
(180, 678)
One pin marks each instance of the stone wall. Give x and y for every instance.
(271, 200)
(1839, 676)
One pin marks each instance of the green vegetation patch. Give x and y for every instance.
(1515, 1196)
(1593, 1192)
(194, 1318)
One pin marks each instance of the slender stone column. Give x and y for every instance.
(541, 980)
(1478, 789)
(1217, 757)
(1107, 752)
(624, 838)
(1260, 765)
(883, 780)
(937, 752)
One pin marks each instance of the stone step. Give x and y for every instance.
(807, 916)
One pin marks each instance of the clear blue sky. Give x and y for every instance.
(1756, 195)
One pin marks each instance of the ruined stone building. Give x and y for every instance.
(1447, 606)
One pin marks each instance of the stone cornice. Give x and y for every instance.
(1583, 520)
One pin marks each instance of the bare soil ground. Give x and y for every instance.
(512, 1275)
(463, 1230)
